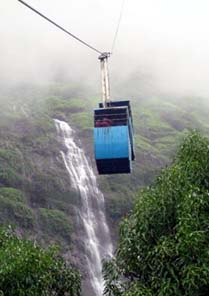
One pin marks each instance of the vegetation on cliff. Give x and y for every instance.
(164, 243)
(35, 192)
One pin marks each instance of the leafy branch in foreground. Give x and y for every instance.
(164, 244)
(28, 270)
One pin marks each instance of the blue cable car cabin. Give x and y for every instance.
(113, 138)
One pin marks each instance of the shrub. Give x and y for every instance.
(16, 212)
(28, 270)
(12, 194)
(55, 222)
(164, 244)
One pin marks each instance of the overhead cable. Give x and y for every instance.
(118, 25)
(58, 26)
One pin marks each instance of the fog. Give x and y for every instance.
(162, 46)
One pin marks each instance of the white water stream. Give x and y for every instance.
(97, 239)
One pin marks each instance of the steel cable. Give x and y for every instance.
(118, 26)
(58, 26)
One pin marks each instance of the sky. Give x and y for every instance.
(162, 46)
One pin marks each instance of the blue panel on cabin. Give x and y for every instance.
(111, 142)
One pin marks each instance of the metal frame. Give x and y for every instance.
(105, 77)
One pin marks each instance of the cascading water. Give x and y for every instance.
(96, 237)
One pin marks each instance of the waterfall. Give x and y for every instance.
(96, 238)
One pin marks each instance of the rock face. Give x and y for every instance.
(32, 167)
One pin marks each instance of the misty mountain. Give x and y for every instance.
(30, 152)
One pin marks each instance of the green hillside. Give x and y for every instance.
(35, 192)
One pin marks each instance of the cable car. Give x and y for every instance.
(113, 138)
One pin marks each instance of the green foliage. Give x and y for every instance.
(119, 208)
(14, 211)
(10, 167)
(8, 177)
(82, 120)
(60, 107)
(47, 188)
(12, 194)
(164, 244)
(28, 270)
(56, 223)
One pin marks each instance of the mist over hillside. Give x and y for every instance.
(162, 48)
